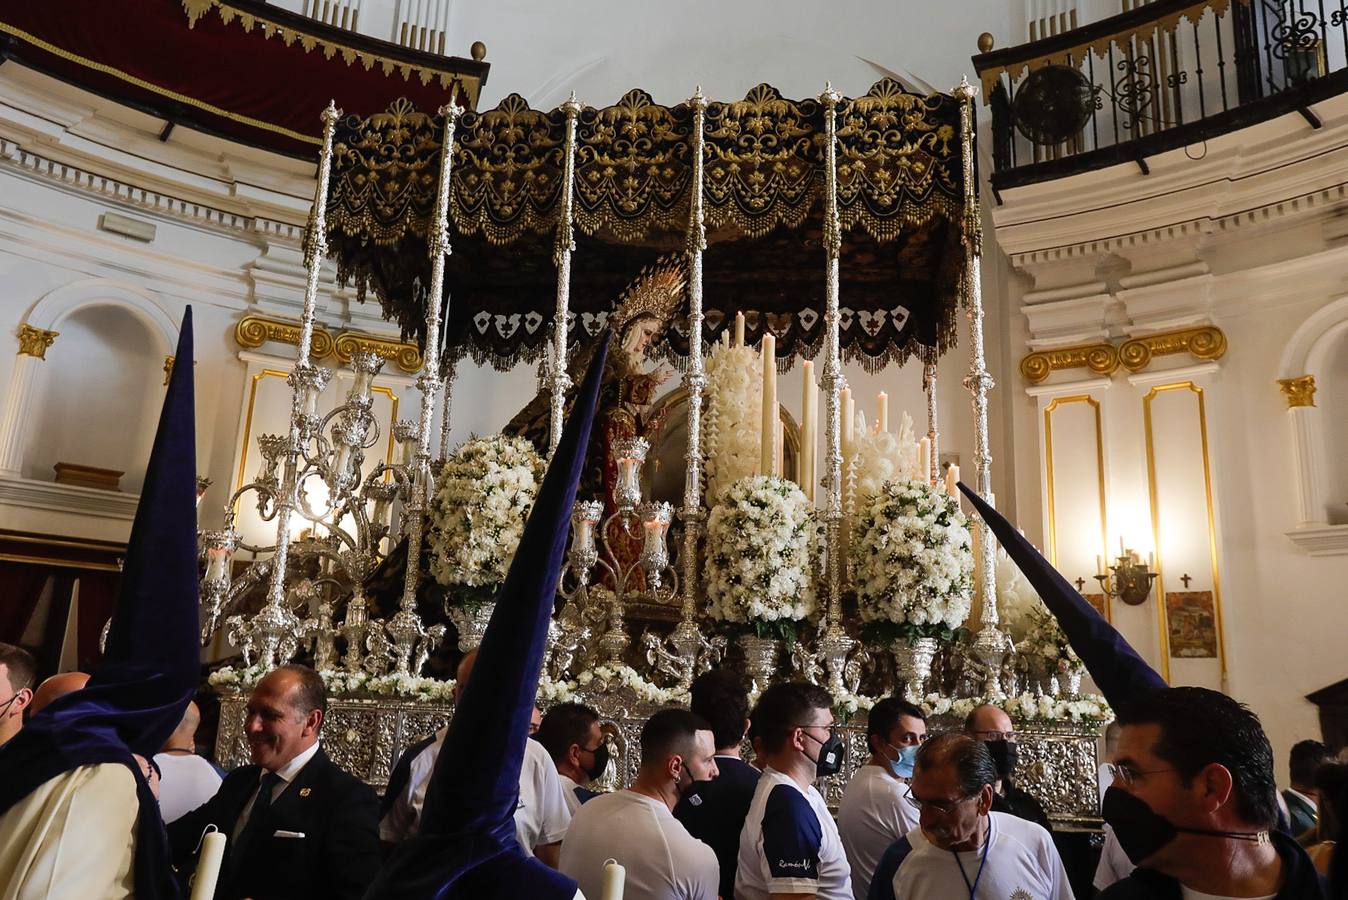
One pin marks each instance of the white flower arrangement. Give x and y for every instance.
(761, 539)
(483, 495)
(341, 683)
(1017, 599)
(732, 429)
(1027, 707)
(605, 678)
(1044, 639)
(912, 561)
(881, 456)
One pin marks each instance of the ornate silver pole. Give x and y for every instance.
(274, 633)
(447, 377)
(834, 644)
(990, 643)
(687, 639)
(566, 244)
(412, 641)
(933, 433)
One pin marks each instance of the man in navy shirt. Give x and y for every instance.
(713, 811)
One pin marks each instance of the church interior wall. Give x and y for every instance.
(1246, 238)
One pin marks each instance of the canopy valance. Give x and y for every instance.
(900, 200)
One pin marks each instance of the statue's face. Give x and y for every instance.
(640, 334)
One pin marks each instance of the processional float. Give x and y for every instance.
(551, 212)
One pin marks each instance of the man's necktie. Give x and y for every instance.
(257, 818)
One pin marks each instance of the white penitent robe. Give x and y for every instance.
(74, 836)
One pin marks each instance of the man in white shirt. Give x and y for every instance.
(873, 813)
(789, 847)
(541, 816)
(570, 733)
(186, 780)
(962, 847)
(636, 827)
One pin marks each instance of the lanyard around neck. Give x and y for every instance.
(973, 888)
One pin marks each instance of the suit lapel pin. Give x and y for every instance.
(304, 792)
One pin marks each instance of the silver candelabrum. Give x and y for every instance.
(594, 603)
(346, 519)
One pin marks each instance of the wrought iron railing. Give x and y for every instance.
(1166, 74)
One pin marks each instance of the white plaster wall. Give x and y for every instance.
(1247, 239)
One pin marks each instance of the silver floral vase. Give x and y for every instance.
(912, 664)
(760, 659)
(1072, 676)
(472, 624)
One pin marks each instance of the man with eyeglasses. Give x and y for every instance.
(962, 848)
(991, 725)
(789, 847)
(873, 814)
(17, 672)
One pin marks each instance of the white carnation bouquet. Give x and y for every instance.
(1026, 707)
(1034, 629)
(761, 538)
(732, 429)
(482, 496)
(912, 562)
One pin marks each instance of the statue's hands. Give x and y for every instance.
(662, 374)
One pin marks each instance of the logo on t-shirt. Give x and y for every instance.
(804, 865)
(1021, 894)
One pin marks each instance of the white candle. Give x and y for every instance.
(809, 423)
(924, 459)
(1151, 560)
(882, 411)
(739, 329)
(768, 450)
(208, 866)
(615, 877)
(1100, 565)
(952, 475)
(779, 450)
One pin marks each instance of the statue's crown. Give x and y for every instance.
(656, 292)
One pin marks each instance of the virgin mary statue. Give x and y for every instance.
(640, 317)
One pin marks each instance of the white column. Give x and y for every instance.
(33, 344)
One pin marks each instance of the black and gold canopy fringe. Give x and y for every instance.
(900, 196)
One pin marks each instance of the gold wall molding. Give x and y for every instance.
(1094, 405)
(1163, 624)
(1299, 391)
(253, 331)
(406, 356)
(35, 341)
(1205, 343)
(1102, 359)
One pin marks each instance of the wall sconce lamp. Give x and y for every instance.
(1129, 579)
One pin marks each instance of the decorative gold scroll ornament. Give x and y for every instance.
(1205, 343)
(35, 341)
(253, 331)
(1298, 391)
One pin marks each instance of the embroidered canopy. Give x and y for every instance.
(900, 197)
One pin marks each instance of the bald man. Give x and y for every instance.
(991, 725)
(186, 780)
(55, 688)
(541, 818)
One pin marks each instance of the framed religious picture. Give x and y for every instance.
(1192, 621)
(1098, 601)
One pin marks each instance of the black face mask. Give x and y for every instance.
(600, 763)
(1004, 755)
(1141, 832)
(830, 756)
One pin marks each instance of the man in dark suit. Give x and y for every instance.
(1302, 797)
(713, 811)
(297, 825)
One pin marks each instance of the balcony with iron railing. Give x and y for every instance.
(1160, 76)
